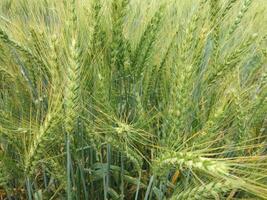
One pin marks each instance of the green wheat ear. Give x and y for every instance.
(210, 190)
(184, 161)
(240, 15)
(133, 99)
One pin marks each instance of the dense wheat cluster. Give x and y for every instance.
(133, 99)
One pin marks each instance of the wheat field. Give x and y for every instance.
(133, 99)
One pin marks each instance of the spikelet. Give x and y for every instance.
(26, 51)
(202, 42)
(97, 42)
(239, 17)
(144, 48)
(215, 7)
(6, 39)
(119, 9)
(4, 174)
(191, 28)
(228, 8)
(129, 154)
(37, 38)
(263, 59)
(57, 171)
(212, 189)
(233, 59)
(164, 59)
(240, 117)
(54, 69)
(42, 138)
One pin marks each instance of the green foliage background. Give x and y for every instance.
(133, 99)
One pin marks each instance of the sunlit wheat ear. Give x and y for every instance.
(185, 161)
(72, 88)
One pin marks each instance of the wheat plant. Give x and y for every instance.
(133, 99)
